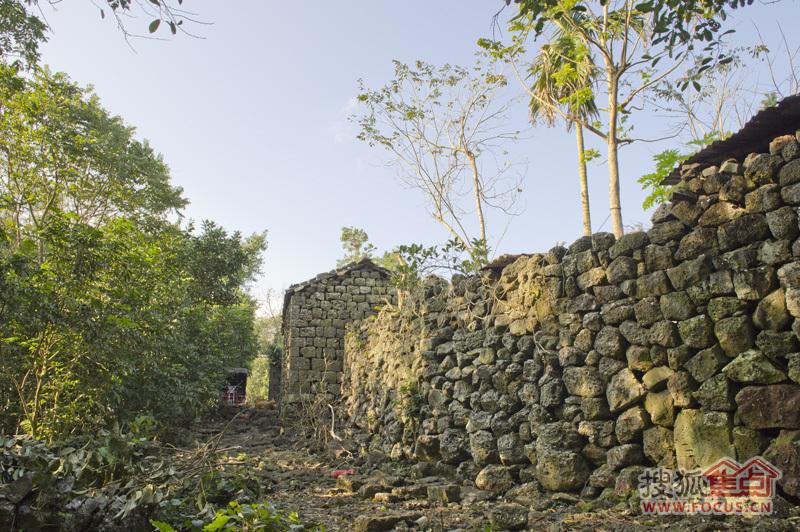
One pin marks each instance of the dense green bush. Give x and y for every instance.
(108, 309)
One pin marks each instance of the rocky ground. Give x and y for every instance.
(294, 472)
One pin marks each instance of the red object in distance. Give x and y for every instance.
(341, 472)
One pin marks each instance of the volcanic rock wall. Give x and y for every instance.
(577, 367)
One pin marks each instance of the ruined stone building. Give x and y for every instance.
(315, 315)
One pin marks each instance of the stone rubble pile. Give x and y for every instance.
(574, 369)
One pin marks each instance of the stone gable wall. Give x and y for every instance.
(575, 368)
(316, 315)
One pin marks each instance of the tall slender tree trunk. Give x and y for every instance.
(613, 148)
(479, 204)
(587, 220)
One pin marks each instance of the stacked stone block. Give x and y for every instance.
(574, 369)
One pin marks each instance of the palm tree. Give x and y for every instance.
(564, 73)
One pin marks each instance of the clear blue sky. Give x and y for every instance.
(252, 119)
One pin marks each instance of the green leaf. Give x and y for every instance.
(163, 527)
(154, 25)
(173, 28)
(217, 523)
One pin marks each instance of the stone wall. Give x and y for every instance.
(575, 368)
(315, 316)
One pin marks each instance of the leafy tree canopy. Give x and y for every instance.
(676, 22)
(109, 309)
(22, 29)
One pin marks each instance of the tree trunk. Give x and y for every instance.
(587, 220)
(477, 184)
(613, 148)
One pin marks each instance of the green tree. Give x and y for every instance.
(108, 310)
(617, 32)
(678, 24)
(221, 266)
(22, 29)
(60, 151)
(20, 33)
(356, 246)
(445, 128)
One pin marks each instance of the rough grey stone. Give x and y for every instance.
(702, 438)
(753, 367)
(717, 284)
(659, 257)
(720, 213)
(656, 378)
(494, 478)
(631, 423)
(681, 385)
(628, 243)
(771, 312)
(634, 334)
(609, 367)
(701, 241)
(661, 407)
(617, 311)
(793, 364)
(483, 448)
(736, 260)
(659, 446)
(584, 381)
(735, 189)
(749, 443)
(706, 363)
(559, 465)
(552, 393)
(677, 306)
(509, 447)
(697, 332)
(777, 344)
(689, 272)
(764, 169)
(764, 199)
(717, 393)
(783, 223)
(595, 408)
(453, 446)
(648, 311)
(762, 407)
(599, 433)
(677, 356)
(508, 516)
(622, 268)
(742, 231)
(665, 333)
(735, 334)
(664, 232)
(775, 252)
(639, 358)
(755, 283)
(624, 455)
(610, 342)
(624, 390)
(652, 285)
(723, 307)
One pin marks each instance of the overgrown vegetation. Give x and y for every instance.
(109, 309)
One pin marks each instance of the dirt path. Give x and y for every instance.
(294, 474)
